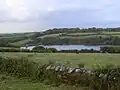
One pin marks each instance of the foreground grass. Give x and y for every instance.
(23, 68)
(12, 83)
(88, 59)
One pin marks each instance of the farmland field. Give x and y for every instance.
(21, 43)
(58, 38)
(88, 59)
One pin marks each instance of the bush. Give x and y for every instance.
(113, 49)
(80, 51)
(21, 67)
(81, 65)
(9, 50)
(89, 51)
(53, 50)
(39, 48)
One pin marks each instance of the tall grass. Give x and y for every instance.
(21, 67)
(106, 78)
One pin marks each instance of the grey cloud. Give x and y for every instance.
(37, 15)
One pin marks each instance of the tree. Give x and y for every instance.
(38, 48)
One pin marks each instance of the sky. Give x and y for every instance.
(40, 15)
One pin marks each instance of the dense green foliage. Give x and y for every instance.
(41, 49)
(80, 51)
(110, 49)
(9, 50)
(76, 30)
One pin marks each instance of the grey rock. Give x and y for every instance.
(57, 68)
(48, 68)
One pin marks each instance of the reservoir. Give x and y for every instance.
(66, 47)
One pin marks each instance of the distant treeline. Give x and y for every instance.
(78, 30)
(40, 49)
(115, 49)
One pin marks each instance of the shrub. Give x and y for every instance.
(53, 50)
(81, 65)
(113, 49)
(9, 50)
(20, 67)
(39, 48)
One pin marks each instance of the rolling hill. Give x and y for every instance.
(63, 36)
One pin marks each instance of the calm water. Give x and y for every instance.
(67, 47)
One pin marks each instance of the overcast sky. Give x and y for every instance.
(37, 15)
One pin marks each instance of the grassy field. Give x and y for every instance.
(88, 59)
(50, 35)
(111, 33)
(12, 83)
(21, 43)
(82, 35)
(16, 35)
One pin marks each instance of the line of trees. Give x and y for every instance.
(76, 30)
(41, 49)
(100, 78)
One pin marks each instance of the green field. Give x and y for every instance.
(12, 83)
(88, 59)
(50, 35)
(21, 43)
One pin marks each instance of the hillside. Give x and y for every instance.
(63, 36)
(15, 39)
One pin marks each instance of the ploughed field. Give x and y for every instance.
(88, 59)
